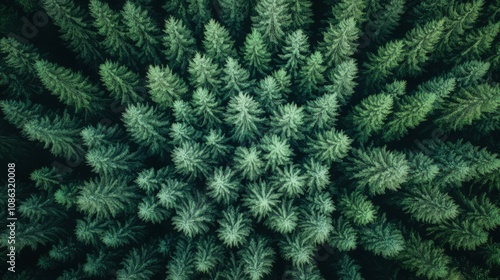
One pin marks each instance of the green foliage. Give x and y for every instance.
(140, 263)
(284, 218)
(385, 20)
(329, 146)
(345, 9)
(382, 64)
(297, 249)
(46, 178)
(203, 72)
(257, 258)
(321, 112)
(314, 226)
(294, 52)
(248, 162)
(105, 197)
(348, 269)
(217, 42)
(235, 78)
(481, 211)
(301, 13)
(150, 210)
(20, 57)
(339, 41)
(277, 151)
(182, 264)
(428, 204)
(178, 43)
(234, 15)
(289, 180)
(288, 121)
(234, 227)
(312, 74)
(256, 53)
(341, 80)
(378, 169)
(357, 208)
(382, 238)
(317, 174)
(172, 192)
(343, 236)
(193, 215)
(165, 86)
(206, 108)
(272, 20)
(120, 82)
(190, 159)
(243, 113)
(260, 199)
(268, 94)
(39, 206)
(223, 186)
(461, 234)
(208, 254)
(368, 117)
(113, 159)
(216, 145)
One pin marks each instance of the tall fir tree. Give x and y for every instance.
(234, 14)
(272, 20)
(179, 44)
(121, 82)
(165, 86)
(236, 79)
(244, 115)
(256, 54)
(339, 41)
(217, 42)
(294, 52)
(368, 117)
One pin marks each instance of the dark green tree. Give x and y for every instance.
(294, 52)
(339, 41)
(234, 14)
(217, 42)
(120, 82)
(234, 227)
(193, 215)
(272, 20)
(235, 78)
(179, 45)
(165, 85)
(256, 54)
(243, 114)
(368, 117)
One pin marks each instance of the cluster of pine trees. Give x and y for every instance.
(254, 137)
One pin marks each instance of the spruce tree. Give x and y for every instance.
(243, 114)
(120, 82)
(206, 108)
(277, 151)
(140, 263)
(193, 215)
(272, 20)
(339, 41)
(382, 238)
(234, 15)
(256, 54)
(294, 52)
(260, 199)
(284, 219)
(268, 94)
(346, 9)
(234, 227)
(329, 146)
(165, 86)
(301, 13)
(208, 254)
(321, 113)
(248, 162)
(368, 117)
(199, 14)
(20, 57)
(342, 80)
(479, 41)
(18, 113)
(385, 20)
(312, 74)
(112, 160)
(357, 208)
(179, 44)
(382, 64)
(191, 160)
(257, 257)
(203, 72)
(217, 42)
(344, 237)
(223, 186)
(288, 122)
(235, 78)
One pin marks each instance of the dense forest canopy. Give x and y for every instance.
(252, 139)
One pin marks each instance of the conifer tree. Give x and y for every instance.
(419, 43)
(191, 160)
(121, 233)
(277, 151)
(260, 199)
(182, 264)
(208, 254)
(343, 236)
(72, 88)
(115, 41)
(461, 234)
(368, 117)
(140, 263)
(234, 14)
(216, 145)
(357, 208)
(297, 249)
(284, 81)
(469, 73)
(18, 113)
(206, 108)
(37, 207)
(183, 112)
(248, 162)
(150, 210)
(76, 32)
(381, 65)
(268, 94)
(424, 257)
(45, 178)
(142, 30)
(203, 72)
(284, 218)
(341, 80)
(149, 180)
(243, 113)
(235, 78)
(179, 44)
(272, 20)
(20, 57)
(256, 54)
(423, 169)
(289, 180)
(113, 159)
(60, 134)
(120, 82)
(321, 112)
(257, 258)
(312, 74)
(468, 105)
(105, 197)
(378, 169)
(429, 9)
(385, 20)
(481, 211)
(348, 269)
(101, 135)
(301, 13)
(193, 215)
(234, 227)
(147, 127)
(165, 86)
(217, 42)
(99, 263)
(317, 174)
(172, 192)
(382, 238)
(288, 122)
(199, 14)
(329, 146)
(294, 52)
(223, 186)
(315, 226)
(339, 41)
(479, 41)
(346, 9)
(409, 112)
(428, 204)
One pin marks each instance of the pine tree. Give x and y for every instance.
(223, 186)
(19, 113)
(115, 41)
(217, 42)
(203, 72)
(329, 146)
(288, 122)
(206, 108)
(424, 258)
(294, 52)
(208, 254)
(312, 74)
(343, 236)
(289, 180)
(46, 178)
(234, 227)
(368, 117)
(381, 65)
(341, 80)
(479, 41)
(268, 94)
(468, 105)
(20, 57)
(314, 226)
(301, 13)
(72, 88)
(317, 174)
(99, 263)
(346, 9)
(423, 169)
(199, 13)
(120, 82)
(182, 133)
(165, 86)
(193, 215)
(102, 135)
(339, 41)
(113, 159)
(149, 180)
(60, 134)
(284, 218)
(297, 250)
(182, 265)
(105, 197)
(234, 15)
(276, 151)
(419, 43)
(142, 30)
(179, 45)
(429, 9)
(348, 269)
(147, 127)
(216, 145)
(248, 162)
(469, 73)
(357, 208)
(382, 238)
(272, 20)
(243, 114)
(122, 233)
(409, 112)
(385, 20)
(378, 169)
(39, 206)
(256, 55)
(140, 263)
(304, 272)
(321, 113)
(428, 204)
(260, 199)
(76, 32)
(191, 160)
(235, 78)
(90, 229)
(481, 211)
(172, 192)
(284, 81)
(183, 112)
(461, 234)
(150, 210)
(257, 258)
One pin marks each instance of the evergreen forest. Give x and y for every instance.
(251, 139)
